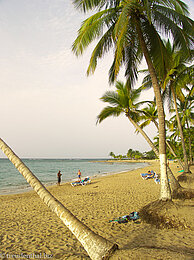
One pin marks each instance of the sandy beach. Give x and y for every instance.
(29, 227)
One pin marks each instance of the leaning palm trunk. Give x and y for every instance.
(173, 153)
(174, 183)
(186, 166)
(96, 246)
(170, 147)
(165, 193)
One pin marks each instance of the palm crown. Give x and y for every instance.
(116, 25)
(123, 100)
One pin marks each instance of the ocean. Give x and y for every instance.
(11, 181)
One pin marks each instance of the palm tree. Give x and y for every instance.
(132, 29)
(122, 101)
(185, 110)
(177, 78)
(130, 153)
(96, 246)
(150, 115)
(111, 154)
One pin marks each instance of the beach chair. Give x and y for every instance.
(82, 182)
(86, 181)
(147, 176)
(75, 183)
(157, 180)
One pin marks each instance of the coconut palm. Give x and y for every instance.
(131, 27)
(111, 154)
(123, 102)
(173, 81)
(96, 246)
(185, 112)
(150, 116)
(130, 153)
(177, 78)
(187, 116)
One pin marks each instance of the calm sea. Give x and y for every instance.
(11, 181)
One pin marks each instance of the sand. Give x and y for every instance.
(29, 227)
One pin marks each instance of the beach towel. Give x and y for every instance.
(124, 219)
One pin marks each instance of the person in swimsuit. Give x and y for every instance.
(59, 177)
(79, 175)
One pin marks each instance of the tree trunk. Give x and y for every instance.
(174, 183)
(96, 246)
(170, 148)
(186, 165)
(165, 193)
(144, 135)
(173, 153)
(190, 149)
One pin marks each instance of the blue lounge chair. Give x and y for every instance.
(157, 180)
(150, 175)
(82, 182)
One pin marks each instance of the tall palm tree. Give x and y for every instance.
(96, 246)
(123, 101)
(186, 115)
(173, 80)
(177, 78)
(131, 27)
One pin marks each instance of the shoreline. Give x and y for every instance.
(28, 226)
(28, 188)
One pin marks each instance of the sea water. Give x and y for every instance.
(11, 181)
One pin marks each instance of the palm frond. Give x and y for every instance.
(156, 48)
(111, 97)
(176, 5)
(86, 5)
(147, 82)
(91, 29)
(108, 112)
(101, 48)
(177, 25)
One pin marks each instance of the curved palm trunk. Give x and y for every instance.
(96, 246)
(186, 165)
(173, 153)
(165, 193)
(174, 183)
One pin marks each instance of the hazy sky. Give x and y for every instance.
(48, 105)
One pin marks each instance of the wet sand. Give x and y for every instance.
(29, 227)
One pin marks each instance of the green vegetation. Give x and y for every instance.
(135, 29)
(134, 155)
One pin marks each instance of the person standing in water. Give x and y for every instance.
(59, 177)
(79, 175)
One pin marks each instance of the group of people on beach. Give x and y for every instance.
(59, 174)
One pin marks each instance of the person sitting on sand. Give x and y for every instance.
(79, 175)
(59, 177)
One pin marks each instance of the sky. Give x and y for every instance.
(48, 105)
